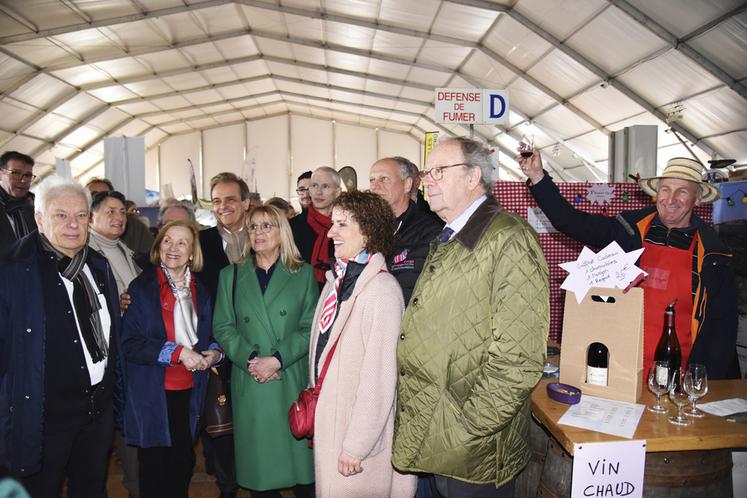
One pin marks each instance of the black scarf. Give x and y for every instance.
(14, 208)
(85, 299)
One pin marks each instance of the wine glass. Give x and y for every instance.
(658, 384)
(678, 396)
(526, 146)
(696, 386)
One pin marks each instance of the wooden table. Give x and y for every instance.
(707, 433)
(689, 461)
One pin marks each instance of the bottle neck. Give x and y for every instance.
(669, 319)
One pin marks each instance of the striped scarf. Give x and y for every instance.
(329, 310)
(14, 208)
(85, 299)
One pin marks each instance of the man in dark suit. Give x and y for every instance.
(222, 245)
(16, 212)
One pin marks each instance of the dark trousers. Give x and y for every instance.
(165, 472)
(299, 491)
(454, 488)
(81, 455)
(424, 489)
(128, 458)
(220, 460)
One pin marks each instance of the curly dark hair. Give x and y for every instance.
(374, 216)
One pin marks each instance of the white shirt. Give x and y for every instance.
(462, 219)
(95, 370)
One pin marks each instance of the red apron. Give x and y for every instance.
(669, 278)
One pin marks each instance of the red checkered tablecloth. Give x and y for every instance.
(558, 248)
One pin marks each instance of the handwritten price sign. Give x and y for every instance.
(609, 268)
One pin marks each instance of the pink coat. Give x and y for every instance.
(355, 412)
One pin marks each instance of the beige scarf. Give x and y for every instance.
(236, 244)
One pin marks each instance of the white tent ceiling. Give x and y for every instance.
(75, 71)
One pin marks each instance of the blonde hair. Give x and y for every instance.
(289, 254)
(155, 250)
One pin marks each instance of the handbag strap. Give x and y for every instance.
(233, 295)
(323, 373)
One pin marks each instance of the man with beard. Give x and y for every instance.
(302, 189)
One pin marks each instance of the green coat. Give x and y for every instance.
(472, 349)
(267, 455)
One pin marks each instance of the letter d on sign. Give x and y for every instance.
(495, 106)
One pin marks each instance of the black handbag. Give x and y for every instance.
(218, 415)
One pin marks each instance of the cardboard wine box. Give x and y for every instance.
(616, 320)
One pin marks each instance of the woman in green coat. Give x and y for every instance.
(263, 326)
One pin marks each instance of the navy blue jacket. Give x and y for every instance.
(22, 350)
(715, 301)
(146, 422)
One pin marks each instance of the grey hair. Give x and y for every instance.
(478, 155)
(332, 171)
(54, 186)
(405, 166)
(412, 172)
(172, 202)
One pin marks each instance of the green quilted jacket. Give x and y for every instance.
(472, 348)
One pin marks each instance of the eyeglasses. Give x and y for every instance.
(262, 227)
(301, 190)
(438, 172)
(17, 175)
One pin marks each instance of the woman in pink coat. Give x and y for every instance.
(359, 313)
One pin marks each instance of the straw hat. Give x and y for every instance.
(685, 169)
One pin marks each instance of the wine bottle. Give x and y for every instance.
(597, 362)
(668, 349)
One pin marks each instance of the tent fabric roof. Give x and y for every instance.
(75, 71)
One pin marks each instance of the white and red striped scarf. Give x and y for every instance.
(329, 311)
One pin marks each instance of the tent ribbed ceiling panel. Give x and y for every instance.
(76, 71)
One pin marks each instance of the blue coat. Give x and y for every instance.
(23, 349)
(146, 421)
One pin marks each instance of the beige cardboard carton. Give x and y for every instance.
(618, 324)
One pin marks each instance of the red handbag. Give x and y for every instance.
(301, 413)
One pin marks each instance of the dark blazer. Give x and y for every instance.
(146, 421)
(23, 330)
(305, 237)
(214, 260)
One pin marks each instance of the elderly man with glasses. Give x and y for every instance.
(16, 212)
(472, 344)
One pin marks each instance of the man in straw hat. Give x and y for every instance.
(682, 255)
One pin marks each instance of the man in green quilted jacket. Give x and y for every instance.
(473, 338)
